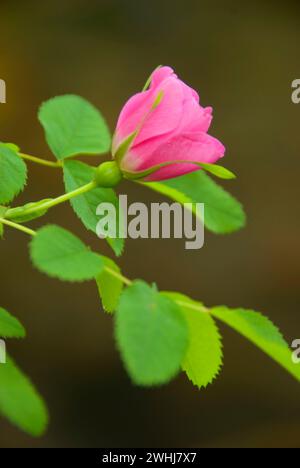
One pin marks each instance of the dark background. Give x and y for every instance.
(242, 59)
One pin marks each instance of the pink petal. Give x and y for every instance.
(195, 118)
(167, 115)
(138, 112)
(131, 115)
(160, 74)
(189, 92)
(188, 147)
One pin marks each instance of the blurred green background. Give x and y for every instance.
(242, 57)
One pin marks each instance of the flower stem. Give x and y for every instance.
(56, 201)
(43, 162)
(19, 227)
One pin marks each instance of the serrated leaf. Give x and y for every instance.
(10, 327)
(110, 286)
(73, 126)
(223, 213)
(203, 359)
(60, 254)
(261, 332)
(13, 174)
(77, 174)
(19, 400)
(151, 335)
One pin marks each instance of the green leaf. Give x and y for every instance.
(20, 402)
(73, 126)
(110, 286)
(77, 174)
(223, 213)
(12, 146)
(10, 327)
(13, 174)
(151, 334)
(203, 360)
(261, 332)
(60, 254)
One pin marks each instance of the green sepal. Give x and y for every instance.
(218, 171)
(124, 147)
(148, 82)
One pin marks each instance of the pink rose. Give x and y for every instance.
(163, 124)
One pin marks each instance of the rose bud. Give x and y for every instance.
(162, 132)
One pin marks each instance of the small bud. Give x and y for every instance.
(108, 174)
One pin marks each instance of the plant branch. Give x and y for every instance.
(19, 227)
(124, 280)
(43, 162)
(33, 233)
(110, 271)
(55, 201)
(197, 307)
